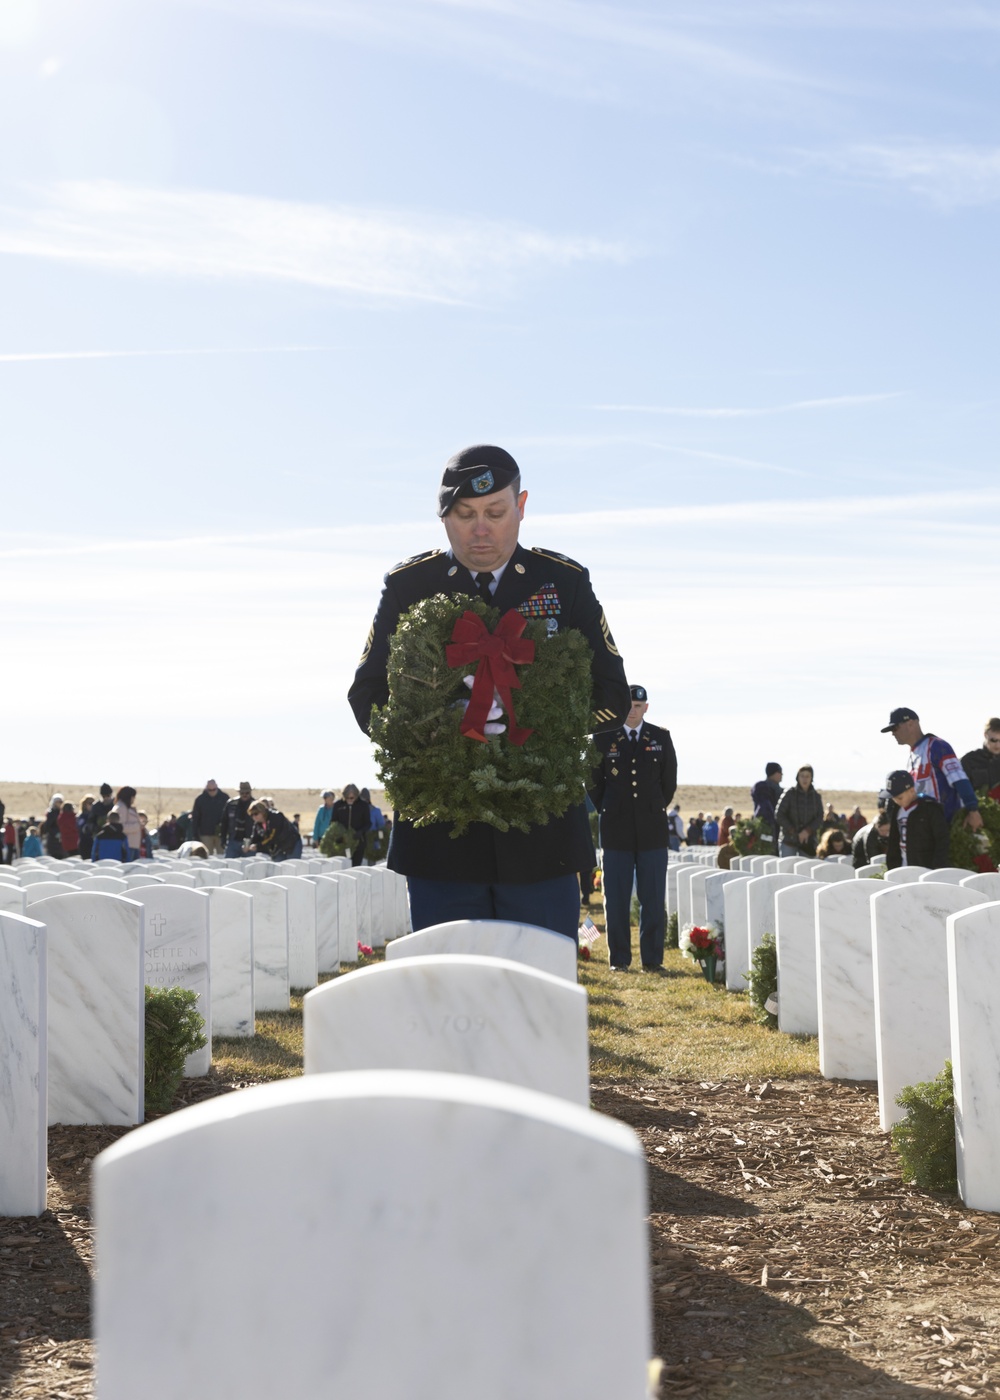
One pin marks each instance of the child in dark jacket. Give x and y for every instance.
(918, 831)
(111, 843)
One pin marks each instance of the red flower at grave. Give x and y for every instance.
(704, 943)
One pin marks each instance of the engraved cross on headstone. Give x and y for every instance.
(157, 923)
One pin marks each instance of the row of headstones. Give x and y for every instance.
(437, 1164)
(895, 975)
(72, 1000)
(372, 899)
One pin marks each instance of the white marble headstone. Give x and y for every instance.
(13, 899)
(987, 884)
(539, 948)
(34, 877)
(760, 908)
(483, 1302)
(715, 909)
(829, 871)
(327, 923)
(177, 953)
(946, 875)
(910, 966)
(795, 934)
(23, 1121)
(370, 906)
(230, 920)
(455, 1013)
(96, 1009)
(844, 982)
(737, 931)
(270, 944)
(974, 986)
(103, 884)
(697, 896)
(303, 969)
(905, 874)
(44, 889)
(350, 929)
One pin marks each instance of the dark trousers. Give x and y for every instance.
(649, 870)
(553, 904)
(294, 854)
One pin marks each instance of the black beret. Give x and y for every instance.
(476, 471)
(638, 692)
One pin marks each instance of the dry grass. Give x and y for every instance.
(643, 1027)
(672, 1025)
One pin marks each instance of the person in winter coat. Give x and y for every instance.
(855, 822)
(146, 840)
(799, 814)
(237, 822)
(206, 816)
(324, 816)
(50, 828)
(377, 815)
(32, 845)
(86, 826)
(355, 814)
(9, 842)
(273, 834)
(982, 765)
(130, 823)
(111, 843)
(832, 843)
(69, 832)
(871, 840)
(765, 795)
(918, 831)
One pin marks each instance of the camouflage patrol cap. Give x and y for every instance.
(476, 471)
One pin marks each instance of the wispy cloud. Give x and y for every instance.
(205, 234)
(950, 176)
(26, 357)
(843, 401)
(538, 40)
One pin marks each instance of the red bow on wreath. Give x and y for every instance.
(498, 652)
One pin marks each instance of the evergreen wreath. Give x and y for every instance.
(339, 840)
(752, 837)
(432, 772)
(972, 850)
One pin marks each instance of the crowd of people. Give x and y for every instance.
(111, 826)
(916, 805)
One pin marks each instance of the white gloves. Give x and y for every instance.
(491, 727)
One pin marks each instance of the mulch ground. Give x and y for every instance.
(787, 1254)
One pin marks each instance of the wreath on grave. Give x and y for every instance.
(978, 850)
(434, 757)
(752, 837)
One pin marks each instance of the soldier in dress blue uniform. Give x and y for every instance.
(527, 877)
(632, 791)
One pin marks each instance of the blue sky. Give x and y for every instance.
(721, 276)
